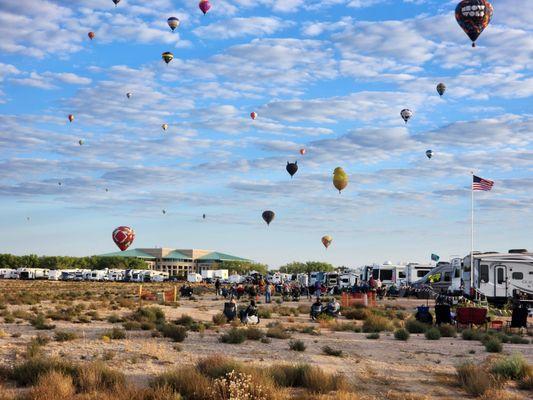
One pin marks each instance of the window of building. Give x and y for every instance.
(518, 275)
(484, 273)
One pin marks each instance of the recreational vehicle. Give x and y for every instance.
(99, 275)
(54, 274)
(7, 273)
(302, 279)
(498, 276)
(68, 274)
(33, 273)
(193, 277)
(416, 271)
(136, 275)
(315, 277)
(439, 278)
(116, 275)
(458, 278)
(332, 279)
(82, 274)
(389, 274)
(348, 280)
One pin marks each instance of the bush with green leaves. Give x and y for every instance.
(355, 313)
(376, 323)
(447, 330)
(433, 334)
(116, 334)
(514, 367)
(331, 351)
(414, 326)
(234, 336)
(175, 332)
(471, 334)
(517, 339)
(402, 334)
(373, 336)
(64, 336)
(493, 345)
(253, 333)
(39, 322)
(219, 319)
(297, 345)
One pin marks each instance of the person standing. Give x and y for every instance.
(217, 287)
(268, 292)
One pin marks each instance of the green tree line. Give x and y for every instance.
(60, 262)
(242, 267)
(306, 267)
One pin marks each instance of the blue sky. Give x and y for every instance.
(330, 76)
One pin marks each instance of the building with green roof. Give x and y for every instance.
(179, 262)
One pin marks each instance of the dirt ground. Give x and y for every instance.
(417, 366)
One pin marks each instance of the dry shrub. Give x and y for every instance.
(186, 381)
(494, 394)
(52, 386)
(356, 313)
(29, 371)
(218, 366)
(390, 395)
(96, 376)
(340, 395)
(237, 385)
(514, 367)
(376, 323)
(475, 379)
(305, 376)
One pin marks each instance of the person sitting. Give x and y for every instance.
(224, 292)
(286, 293)
(230, 310)
(333, 307)
(295, 293)
(250, 314)
(423, 315)
(316, 309)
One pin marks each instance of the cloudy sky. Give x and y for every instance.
(330, 76)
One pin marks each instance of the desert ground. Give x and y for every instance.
(379, 368)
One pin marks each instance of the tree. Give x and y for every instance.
(307, 267)
(243, 267)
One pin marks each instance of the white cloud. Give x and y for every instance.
(239, 27)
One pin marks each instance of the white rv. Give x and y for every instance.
(222, 274)
(82, 274)
(389, 273)
(99, 275)
(415, 272)
(136, 275)
(116, 275)
(332, 279)
(302, 279)
(459, 284)
(7, 273)
(193, 277)
(33, 273)
(235, 278)
(315, 277)
(348, 280)
(54, 274)
(498, 276)
(68, 274)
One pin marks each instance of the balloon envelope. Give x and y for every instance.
(326, 241)
(302, 151)
(167, 56)
(441, 88)
(116, 2)
(91, 35)
(292, 168)
(205, 6)
(429, 153)
(473, 16)
(406, 114)
(268, 216)
(71, 117)
(80, 142)
(173, 23)
(164, 126)
(340, 179)
(253, 115)
(123, 236)
(128, 95)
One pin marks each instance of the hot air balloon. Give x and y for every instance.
(473, 16)
(268, 216)
(203, 216)
(326, 241)
(91, 35)
(406, 114)
(340, 179)
(27, 218)
(292, 168)
(106, 189)
(302, 151)
(80, 142)
(59, 183)
(116, 2)
(129, 95)
(164, 126)
(441, 88)
(429, 154)
(71, 117)
(173, 23)
(205, 6)
(167, 56)
(164, 211)
(253, 115)
(123, 237)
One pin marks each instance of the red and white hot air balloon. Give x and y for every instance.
(303, 151)
(91, 35)
(123, 237)
(253, 115)
(71, 117)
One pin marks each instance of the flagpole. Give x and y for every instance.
(472, 234)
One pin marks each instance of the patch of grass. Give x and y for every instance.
(219, 319)
(517, 339)
(52, 385)
(253, 333)
(471, 334)
(373, 336)
(114, 319)
(475, 379)
(493, 345)
(234, 336)
(401, 334)
(433, 334)
(115, 334)
(514, 367)
(331, 351)
(376, 323)
(278, 331)
(297, 345)
(526, 383)
(39, 322)
(174, 332)
(414, 326)
(132, 325)
(447, 330)
(64, 336)
(264, 313)
(305, 376)
(217, 366)
(355, 313)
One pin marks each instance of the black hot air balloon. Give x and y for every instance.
(203, 216)
(292, 168)
(473, 16)
(268, 216)
(441, 88)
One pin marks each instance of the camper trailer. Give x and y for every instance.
(68, 274)
(439, 278)
(302, 279)
(315, 277)
(33, 273)
(332, 279)
(416, 271)
(193, 277)
(389, 273)
(136, 275)
(458, 277)
(82, 274)
(348, 280)
(116, 275)
(498, 276)
(54, 275)
(7, 273)
(99, 275)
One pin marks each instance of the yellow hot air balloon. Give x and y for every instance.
(164, 126)
(340, 179)
(326, 241)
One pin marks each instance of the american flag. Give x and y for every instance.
(482, 184)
